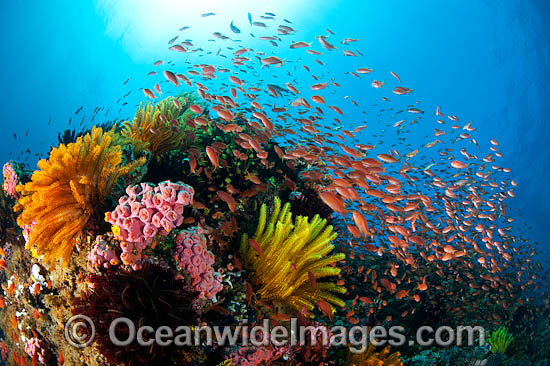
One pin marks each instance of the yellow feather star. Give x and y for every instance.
(371, 358)
(289, 253)
(63, 193)
(161, 127)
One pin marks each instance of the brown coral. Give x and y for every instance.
(61, 196)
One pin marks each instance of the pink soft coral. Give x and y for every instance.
(36, 348)
(11, 179)
(145, 211)
(193, 256)
(101, 255)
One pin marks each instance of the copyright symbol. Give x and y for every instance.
(79, 331)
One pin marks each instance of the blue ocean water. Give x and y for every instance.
(485, 61)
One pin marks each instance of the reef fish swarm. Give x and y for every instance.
(419, 226)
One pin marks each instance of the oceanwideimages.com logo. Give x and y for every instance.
(80, 332)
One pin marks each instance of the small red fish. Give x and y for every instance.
(196, 108)
(318, 86)
(271, 60)
(249, 293)
(227, 198)
(325, 308)
(254, 245)
(213, 156)
(149, 93)
(312, 279)
(236, 80)
(395, 76)
(458, 164)
(171, 77)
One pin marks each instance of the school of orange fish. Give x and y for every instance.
(432, 200)
(441, 200)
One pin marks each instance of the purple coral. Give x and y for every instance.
(101, 255)
(251, 356)
(35, 347)
(193, 256)
(11, 179)
(145, 211)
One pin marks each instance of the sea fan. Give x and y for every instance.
(63, 194)
(288, 258)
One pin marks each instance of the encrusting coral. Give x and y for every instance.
(66, 191)
(288, 258)
(372, 358)
(159, 128)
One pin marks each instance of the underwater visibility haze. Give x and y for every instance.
(188, 165)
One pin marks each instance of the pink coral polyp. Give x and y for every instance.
(193, 256)
(148, 210)
(11, 180)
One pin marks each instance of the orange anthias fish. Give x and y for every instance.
(213, 156)
(458, 164)
(227, 198)
(254, 245)
(149, 93)
(325, 308)
(332, 201)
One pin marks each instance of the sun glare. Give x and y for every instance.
(144, 27)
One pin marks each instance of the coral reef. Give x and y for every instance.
(8, 225)
(418, 240)
(255, 356)
(101, 255)
(159, 128)
(288, 258)
(64, 193)
(307, 203)
(500, 339)
(145, 211)
(70, 135)
(373, 358)
(192, 255)
(37, 349)
(11, 172)
(150, 296)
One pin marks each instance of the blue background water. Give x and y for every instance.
(486, 61)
